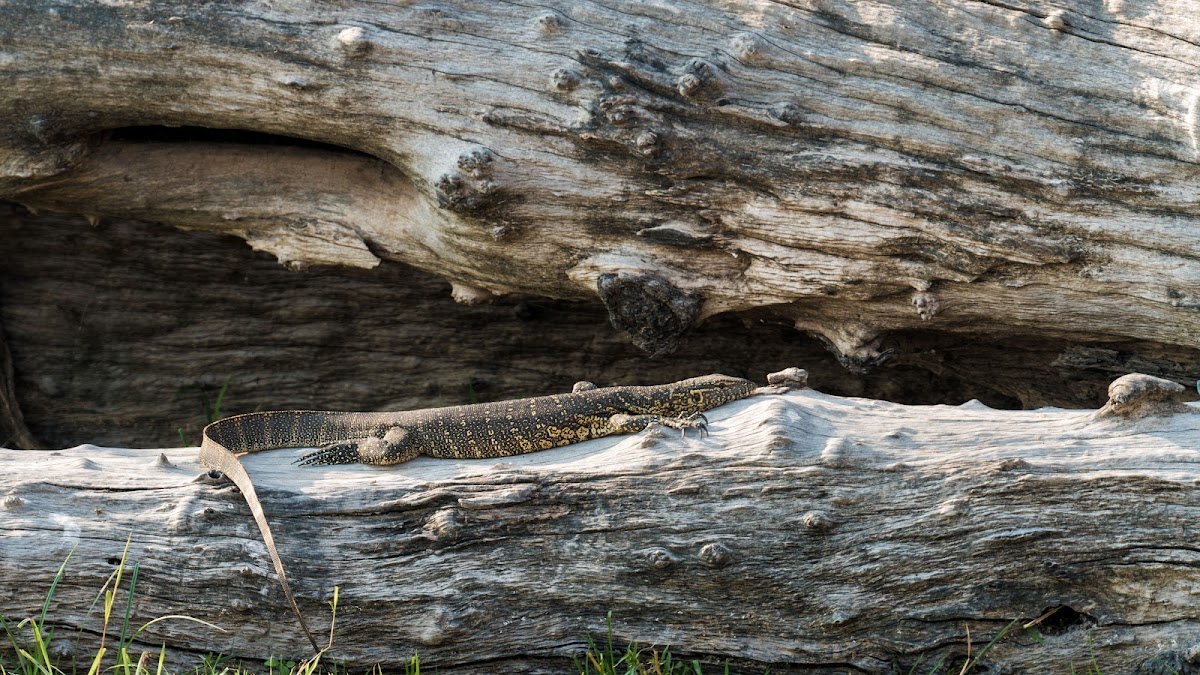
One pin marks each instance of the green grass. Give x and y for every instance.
(212, 410)
(632, 660)
(32, 643)
(31, 639)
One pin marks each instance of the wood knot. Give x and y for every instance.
(1136, 395)
(649, 308)
(689, 85)
(1056, 21)
(564, 79)
(299, 83)
(780, 440)
(660, 558)
(716, 554)
(747, 47)
(927, 305)
(701, 78)
(786, 112)
(817, 521)
(440, 17)
(550, 23)
(354, 42)
(647, 143)
(677, 233)
(436, 625)
(470, 187)
(477, 163)
(620, 111)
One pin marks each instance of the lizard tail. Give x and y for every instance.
(214, 455)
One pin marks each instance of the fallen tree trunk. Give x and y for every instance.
(986, 169)
(807, 533)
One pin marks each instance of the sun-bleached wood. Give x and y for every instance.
(855, 167)
(807, 532)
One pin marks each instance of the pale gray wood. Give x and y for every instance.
(854, 168)
(808, 532)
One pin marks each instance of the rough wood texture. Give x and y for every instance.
(810, 533)
(855, 168)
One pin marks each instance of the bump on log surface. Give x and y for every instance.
(654, 313)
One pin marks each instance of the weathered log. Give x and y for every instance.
(853, 168)
(808, 532)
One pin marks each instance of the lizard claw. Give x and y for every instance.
(697, 421)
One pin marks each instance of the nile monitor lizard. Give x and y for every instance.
(478, 431)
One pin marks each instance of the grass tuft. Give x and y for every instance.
(608, 660)
(212, 410)
(31, 640)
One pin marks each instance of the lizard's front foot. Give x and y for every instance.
(695, 421)
(631, 424)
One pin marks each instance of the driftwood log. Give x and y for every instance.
(989, 191)
(852, 168)
(807, 533)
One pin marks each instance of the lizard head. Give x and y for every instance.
(704, 393)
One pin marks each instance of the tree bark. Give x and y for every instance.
(855, 169)
(807, 533)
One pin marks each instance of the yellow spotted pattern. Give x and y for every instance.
(497, 429)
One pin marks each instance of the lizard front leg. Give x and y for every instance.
(388, 445)
(631, 424)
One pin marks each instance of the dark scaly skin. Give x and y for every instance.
(483, 430)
